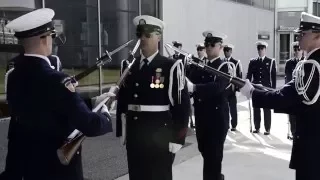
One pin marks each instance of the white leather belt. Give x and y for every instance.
(148, 108)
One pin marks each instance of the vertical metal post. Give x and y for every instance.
(43, 3)
(139, 7)
(99, 44)
(275, 32)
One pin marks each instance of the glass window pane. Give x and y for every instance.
(284, 48)
(266, 4)
(315, 10)
(148, 7)
(258, 3)
(249, 2)
(117, 28)
(78, 22)
(272, 5)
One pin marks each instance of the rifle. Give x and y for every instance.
(232, 79)
(69, 148)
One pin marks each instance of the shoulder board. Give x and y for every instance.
(68, 83)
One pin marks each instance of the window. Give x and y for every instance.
(266, 4)
(272, 5)
(316, 9)
(78, 21)
(117, 28)
(258, 3)
(249, 2)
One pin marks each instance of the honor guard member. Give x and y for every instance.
(236, 69)
(262, 70)
(201, 52)
(289, 67)
(177, 55)
(210, 101)
(302, 101)
(153, 108)
(44, 107)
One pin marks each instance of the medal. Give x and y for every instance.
(152, 85)
(157, 81)
(156, 86)
(161, 86)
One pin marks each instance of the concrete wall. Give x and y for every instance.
(187, 19)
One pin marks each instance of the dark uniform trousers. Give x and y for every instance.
(262, 72)
(210, 103)
(231, 95)
(289, 67)
(305, 155)
(44, 111)
(150, 132)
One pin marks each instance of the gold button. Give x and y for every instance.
(135, 118)
(135, 95)
(137, 84)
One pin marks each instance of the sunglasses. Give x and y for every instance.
(296, 49)
(200, 49)
(209, 44)
(52, 34)
(140, 34)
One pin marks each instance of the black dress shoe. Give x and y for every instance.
(256, 131)
(222, 177)
(233, 129)
(266, 133)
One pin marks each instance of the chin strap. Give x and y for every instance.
(300, 85)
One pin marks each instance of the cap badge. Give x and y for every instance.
(142, 22)
(209, 35)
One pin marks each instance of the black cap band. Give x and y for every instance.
(227, 48)
(200, 48)
(36, 31)
(213, 40)
(176, 44)
(304, 26)
(148, 28)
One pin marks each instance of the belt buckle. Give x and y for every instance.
(136, 107)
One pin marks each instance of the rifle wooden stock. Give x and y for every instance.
(67, 151)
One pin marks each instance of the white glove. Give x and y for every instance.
(104, 109)
(247, 89)
(174, 148)
(102, 97)
(190, 85)
(123, 138)
(75, 84)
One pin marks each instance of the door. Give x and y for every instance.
(284, 42)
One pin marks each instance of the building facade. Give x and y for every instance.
(92, 26)
(243, 21)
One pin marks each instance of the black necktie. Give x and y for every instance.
(145, 65)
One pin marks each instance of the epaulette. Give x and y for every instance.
(69, 82)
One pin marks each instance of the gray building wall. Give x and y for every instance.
(187, 19)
